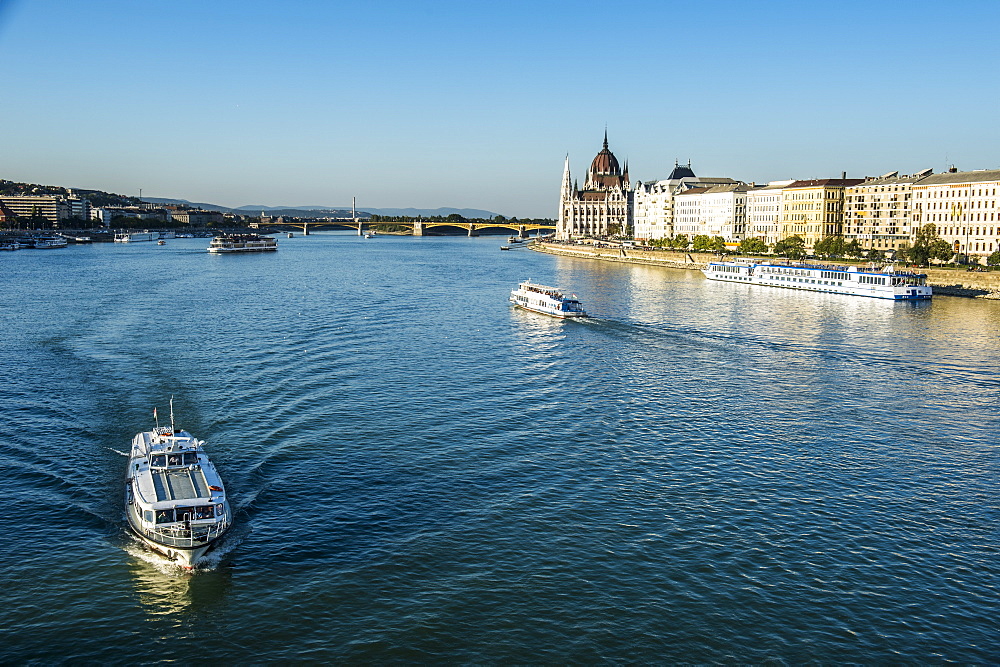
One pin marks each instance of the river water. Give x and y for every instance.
(703, 472)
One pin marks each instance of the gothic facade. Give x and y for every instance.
(603, 206)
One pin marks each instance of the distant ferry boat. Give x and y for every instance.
(546, 300)
(884, 283)
(133, 237)
(174, 497)
(229, 243)
(49, 242)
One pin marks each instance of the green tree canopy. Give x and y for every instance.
(793, 247)
(926, 247)
(702, 242)
(830, 246)
(852, 249)
(754, 246)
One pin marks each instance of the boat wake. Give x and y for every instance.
(233, 538)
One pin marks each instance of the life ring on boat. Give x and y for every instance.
(215, 488)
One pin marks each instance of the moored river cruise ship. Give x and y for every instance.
(174, 497)
(881, 283)
(230, 243)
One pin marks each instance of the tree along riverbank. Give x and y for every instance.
(950, 282)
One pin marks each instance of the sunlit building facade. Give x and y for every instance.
(963, 205)
(603, 206)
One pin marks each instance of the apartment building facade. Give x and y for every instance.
(965, 208)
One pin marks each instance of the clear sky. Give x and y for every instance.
(475, 104)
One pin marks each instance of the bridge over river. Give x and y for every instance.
(415, 227)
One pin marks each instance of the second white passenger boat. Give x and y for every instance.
(546, 300)
(133, 237)
(230, 243)
(880, 283)
(175, 500)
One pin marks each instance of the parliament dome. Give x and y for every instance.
(605, 162)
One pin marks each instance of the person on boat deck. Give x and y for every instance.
(162, 516)
(174, 460)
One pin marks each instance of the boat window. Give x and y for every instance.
(190, 458)
(147, 516)
(159, 461)
(204, 512)
(164, 516)
(174, 460)
(185, 513)
(218, 510)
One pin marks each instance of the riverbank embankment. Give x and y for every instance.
(949, 282)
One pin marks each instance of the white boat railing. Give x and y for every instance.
(182, 536)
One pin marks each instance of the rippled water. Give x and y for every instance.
(702, 472)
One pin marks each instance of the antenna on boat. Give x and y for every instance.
(156, 418)
(172, 414)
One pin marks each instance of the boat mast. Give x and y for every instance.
(172, 415)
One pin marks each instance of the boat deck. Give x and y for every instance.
(180, 484)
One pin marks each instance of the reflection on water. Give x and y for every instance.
(164, 589)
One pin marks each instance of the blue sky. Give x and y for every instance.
(469, 104)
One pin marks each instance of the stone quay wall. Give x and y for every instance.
(950, 282)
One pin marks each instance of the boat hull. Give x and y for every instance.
(235, 250)
(557, 315)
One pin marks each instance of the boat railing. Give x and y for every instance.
(180, 536)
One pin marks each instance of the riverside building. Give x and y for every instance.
(53, 208)
(813, 209)
(963, 205)
(878, 211)
(719, 210)
(764, 211)
(603, 206)
(653, 202)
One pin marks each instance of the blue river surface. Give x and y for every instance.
(700, 472)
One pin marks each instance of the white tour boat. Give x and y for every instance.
(546, 300)
(229, 243)
(49, 242)
(174, 497)
(133, 237)
(881, 283)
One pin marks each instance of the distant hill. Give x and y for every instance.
(322, 211)
(428, 212)
(100, 198)
(185, 202)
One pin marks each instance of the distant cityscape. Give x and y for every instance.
(28, 205)
(881, 214)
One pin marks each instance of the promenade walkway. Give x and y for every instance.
(950, 282)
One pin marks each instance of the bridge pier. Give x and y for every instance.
(305, 229)
(418, 227)
(360, 225)
(472, 230)
(522, 231)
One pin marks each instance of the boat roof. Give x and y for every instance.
(162, 440)
(541, 288)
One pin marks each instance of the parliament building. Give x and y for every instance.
(602, 207)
